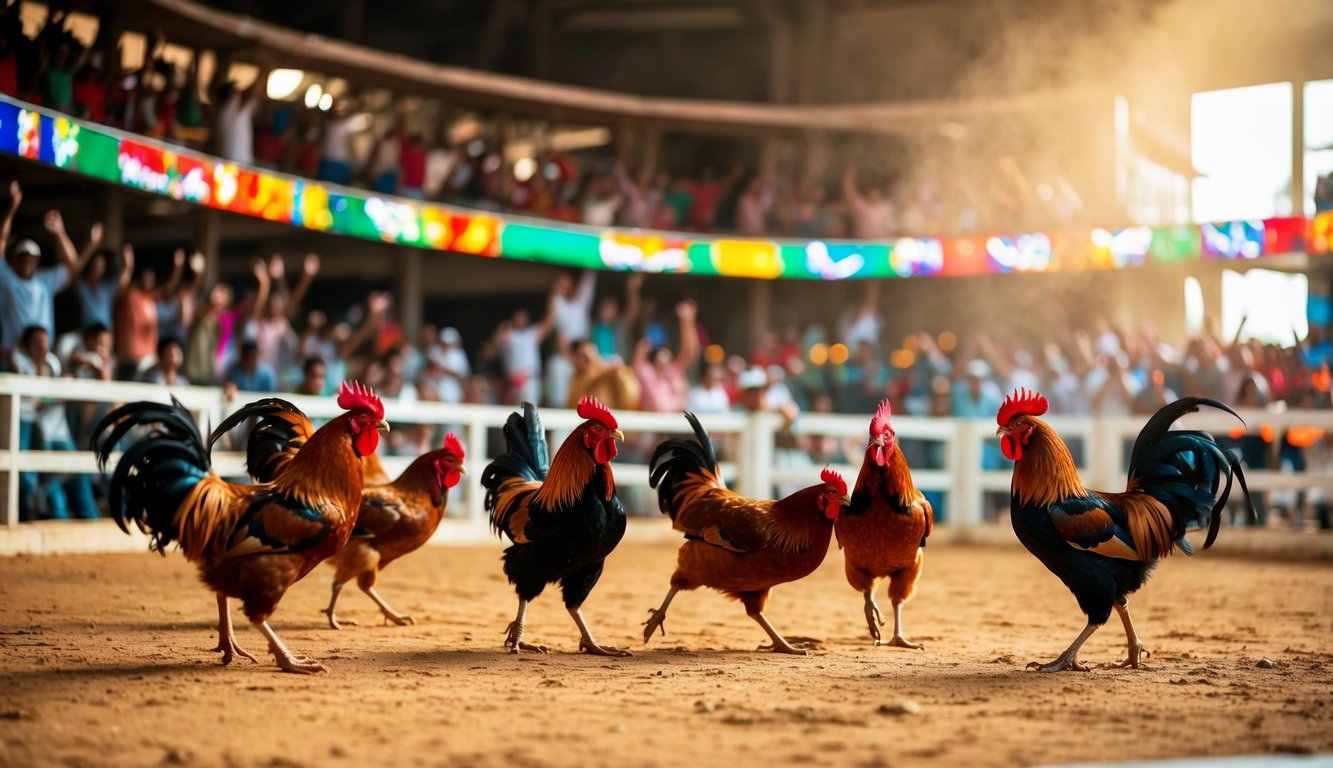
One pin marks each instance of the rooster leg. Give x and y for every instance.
(874, 619)
(1137, 653)
(389, 613)
(333, 600)
(227, 638)
(1069, 659)
(658, 618)
(586, 643)
(289, 661)
(898, 639)
(514, 641)
(780, 645)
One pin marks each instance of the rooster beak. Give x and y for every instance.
(382, 424)
(1001, 431)
(462, 470)
(617, 434)
(846, 501)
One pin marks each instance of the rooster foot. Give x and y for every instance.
(656, 621)
(800, 649)
(514, 641)
(590, 646)
(299, 665)
(1061, 664)
(334, 622)
(230, 650)
(399, 619)
(1133, 661)
(899, 641)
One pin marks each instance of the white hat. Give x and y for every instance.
(754, 378)
(978, 368)
(25, 246)
(451, 336)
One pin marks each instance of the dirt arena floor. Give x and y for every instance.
(104, 661)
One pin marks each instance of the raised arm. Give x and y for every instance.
(15, 197)
(261, 296)
(309, 268)
(126, 268)
(376, 305)
(687, 311)
(69, 255)
(168, 288)
(90, 247)
(849, 189)
(633, 299)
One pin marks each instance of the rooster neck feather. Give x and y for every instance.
(572, 469)
(420, 477)
(893, 480)
(796, 521)
(328, 460)
(1046, 473)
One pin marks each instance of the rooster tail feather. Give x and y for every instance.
(526, 455)
(164, 482)
(674, 461)
(1185, 470)
(279, 432)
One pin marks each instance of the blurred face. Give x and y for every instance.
(250, 358)
(98, 342)
(25, 265)
(584, 356)
(521, 319)
(314, 378)
(96, 268)
(607, 309)
(172, 357)
(564, 286)
(427, 336)
(147, 280)
(38, 345)
(662, 357)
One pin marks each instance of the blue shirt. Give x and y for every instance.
(262, 380)
(28, 302)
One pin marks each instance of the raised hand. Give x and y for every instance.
(178, 258)
(54, 222)
(198, 263)
(15, 194)
(127, 256)
(96, 233)
(687, 310)
(276, 269)
(310, 266)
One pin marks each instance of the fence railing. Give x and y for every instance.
(962, 459)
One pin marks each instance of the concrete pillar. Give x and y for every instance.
(811, 51)
(111, 212)
(1298, 148)
(779, 60)
(651, 141)
(208, 241)
(540, 30)
(410, 293)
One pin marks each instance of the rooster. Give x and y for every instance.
(561, 514)
(739, 546)
(396, 519)
(1104, 545)
(883, 531)
(250, 541)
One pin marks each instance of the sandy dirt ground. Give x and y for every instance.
(104, 661)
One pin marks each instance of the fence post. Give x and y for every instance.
(756, 456)
(475, 438)
(967, 468)
(9, 443)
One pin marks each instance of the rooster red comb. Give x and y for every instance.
(453, 445)
(354, 394)
(834, 479)
(880, 424)
(592, 408)
(1021, 403)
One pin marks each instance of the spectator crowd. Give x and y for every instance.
(395, 146)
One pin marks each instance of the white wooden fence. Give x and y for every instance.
(753, 463)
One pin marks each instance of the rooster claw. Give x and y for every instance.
(521, 646)
(1133, 661)
(400, 620)
(230, 651)
(592, 648)
(333, 619)
(800, 649)
(1061, 664)
(656, 621)
(899, 641)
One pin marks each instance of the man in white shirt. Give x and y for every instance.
(335, 151)
(873, 216)
(572, 305)
(236, 119)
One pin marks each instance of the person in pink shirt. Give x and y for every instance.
(664, 376)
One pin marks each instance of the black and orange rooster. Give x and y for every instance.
(397, 519)
(1104, 545)
(251, 542)
(739, 546)
(883, 530)
(561, 514)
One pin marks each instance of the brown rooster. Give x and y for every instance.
(396, 519)
(739, 546)
(250, 541)
(883, 530)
